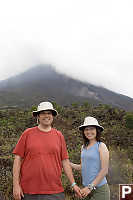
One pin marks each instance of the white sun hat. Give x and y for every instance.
(90, 121)
(45, 106)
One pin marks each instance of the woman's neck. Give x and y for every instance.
(92, 142)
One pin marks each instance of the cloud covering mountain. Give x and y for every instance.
(43, 83)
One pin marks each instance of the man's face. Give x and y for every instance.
(45, 118)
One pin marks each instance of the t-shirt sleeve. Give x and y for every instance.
(64, 153)
(20, 147)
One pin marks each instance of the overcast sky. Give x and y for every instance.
(88, 40)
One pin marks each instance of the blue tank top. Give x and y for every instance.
(91, 165)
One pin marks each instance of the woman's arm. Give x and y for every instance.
(104, 157)
(75, 166)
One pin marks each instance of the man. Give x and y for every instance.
(40, 155)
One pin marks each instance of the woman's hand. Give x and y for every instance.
(85, 191)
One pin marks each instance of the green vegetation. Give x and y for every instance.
(117, 135)
(129, 120)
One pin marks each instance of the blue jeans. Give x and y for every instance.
(58, 196)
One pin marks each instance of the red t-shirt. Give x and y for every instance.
(42, 154)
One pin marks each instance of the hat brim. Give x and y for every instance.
(35, 113)
(84, 126)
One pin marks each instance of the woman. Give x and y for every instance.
(94, 162)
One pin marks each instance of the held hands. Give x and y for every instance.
(81, 193)
(85, 191)
(17, 192)
(77, 191)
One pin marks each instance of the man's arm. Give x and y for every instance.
(17, 190)
(68, 171)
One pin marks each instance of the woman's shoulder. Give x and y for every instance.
(82, 147)
(102, 146)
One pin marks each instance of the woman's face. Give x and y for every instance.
(90, 132)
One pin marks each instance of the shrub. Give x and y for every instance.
(129, 120)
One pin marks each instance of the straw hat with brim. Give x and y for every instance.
(45, 106)
(90, 121)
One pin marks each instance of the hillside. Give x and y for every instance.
(43, 83)
(118, 138)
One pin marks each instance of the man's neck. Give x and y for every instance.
(44, 128)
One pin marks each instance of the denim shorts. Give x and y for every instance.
(58, 196)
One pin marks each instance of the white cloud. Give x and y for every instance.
(89, 40)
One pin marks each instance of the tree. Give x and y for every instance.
(129, 120)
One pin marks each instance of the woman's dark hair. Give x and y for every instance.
(86, 141)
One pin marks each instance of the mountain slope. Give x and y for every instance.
(44, 83)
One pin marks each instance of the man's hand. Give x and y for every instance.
(77, 190)
(17, 192)
(85, 191)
